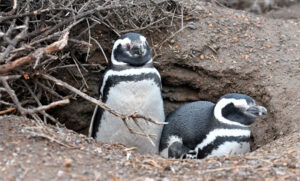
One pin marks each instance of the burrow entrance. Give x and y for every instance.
(182, 83)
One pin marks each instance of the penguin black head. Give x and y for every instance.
(131, 49)
(238, 109)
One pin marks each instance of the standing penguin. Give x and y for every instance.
(130, 84)
(201, 129)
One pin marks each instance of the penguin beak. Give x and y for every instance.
(257, 110)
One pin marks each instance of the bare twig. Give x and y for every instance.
(8, 110)
(100, 48)
(22, 110)
(48, 89)
(39, 103)
(167, 39)
(54, 47)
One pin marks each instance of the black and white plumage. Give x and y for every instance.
(130, 84)
(202, 129)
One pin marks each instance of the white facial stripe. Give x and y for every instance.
(143, 40)
(212, 136)
(127, 72)
(115, 62)
(174, 139)
(116, 44)
(222, 103)
(121, 42)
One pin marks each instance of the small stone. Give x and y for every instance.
(235, 39)
(191, 26)
(78, 141)
(201, 57)
(60, 173)
(85, 172)
(172, 41)
(68, 162)
(19, 170)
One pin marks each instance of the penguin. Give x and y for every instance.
(203, 129)
(130, 84)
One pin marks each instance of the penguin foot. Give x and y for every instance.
(192, 154)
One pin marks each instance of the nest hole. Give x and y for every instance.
(183, 84)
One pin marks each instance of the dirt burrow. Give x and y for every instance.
(225, 51)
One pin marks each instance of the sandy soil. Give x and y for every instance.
(223, 51)
(26, 156)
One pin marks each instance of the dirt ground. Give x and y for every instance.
(26, 157)
(220, 51)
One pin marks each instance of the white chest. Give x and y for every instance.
(143, 97)
(231, 148)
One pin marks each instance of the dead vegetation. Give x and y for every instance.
(39, 37)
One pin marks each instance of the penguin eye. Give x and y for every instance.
(128, 46)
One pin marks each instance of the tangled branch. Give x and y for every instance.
(40, 40)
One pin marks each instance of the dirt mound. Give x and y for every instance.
(26, 155)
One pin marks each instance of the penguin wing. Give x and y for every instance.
(189, 122)
(95, 120)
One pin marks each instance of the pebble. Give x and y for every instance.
(78, 141)
(85, 172)
(20, 170)
(191, 26)
(60, 173)
(68, 162)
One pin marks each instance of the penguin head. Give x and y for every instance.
(238, 109)
(131, 49)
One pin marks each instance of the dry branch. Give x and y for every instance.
(8, 110)
(24, 111)
(41, 38)
(38, 54)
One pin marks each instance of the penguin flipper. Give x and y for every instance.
(95, 120)
(177, 150)
(92, 122)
